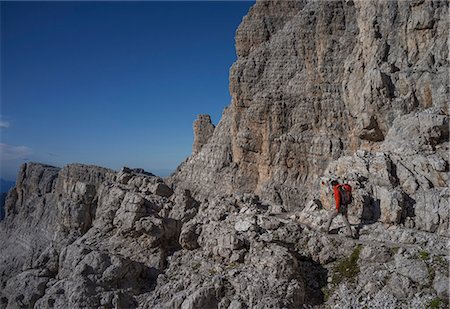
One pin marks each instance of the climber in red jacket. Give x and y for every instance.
(343, 197)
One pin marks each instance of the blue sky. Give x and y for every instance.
(111, 83)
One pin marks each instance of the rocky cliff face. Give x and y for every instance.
(317, 80)
(348, 90)
(75, 236)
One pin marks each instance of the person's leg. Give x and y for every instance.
(347, 224)
(333, 213)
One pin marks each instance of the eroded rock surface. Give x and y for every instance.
(125, 246)
(316, 80)
(203, 130)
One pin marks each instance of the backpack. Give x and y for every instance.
(346, 194)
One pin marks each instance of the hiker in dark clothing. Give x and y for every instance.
(342, 197)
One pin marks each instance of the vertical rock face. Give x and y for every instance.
(203, 130)
(24, 234)
(316, 80)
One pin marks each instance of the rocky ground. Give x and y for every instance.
(129, 241)
(347, 90)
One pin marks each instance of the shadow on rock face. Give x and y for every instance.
(370, 214)
(315, 276)
(312, 273)
(371, 210)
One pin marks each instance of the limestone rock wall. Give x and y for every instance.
(48, 208)
(75, 236)
(316, 80)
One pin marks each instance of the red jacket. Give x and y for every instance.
(337, 194)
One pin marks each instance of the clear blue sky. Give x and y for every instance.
(111, 83)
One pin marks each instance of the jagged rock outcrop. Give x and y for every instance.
(314, 81)
(139, 249)
(406, 180)
(84, 236)
(49, 207)
(203, 130)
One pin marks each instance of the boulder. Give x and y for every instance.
(414, 269)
